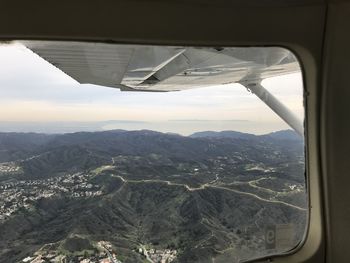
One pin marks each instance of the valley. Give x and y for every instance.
(196, 198)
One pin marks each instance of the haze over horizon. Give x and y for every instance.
(37, 97)
(164, 127)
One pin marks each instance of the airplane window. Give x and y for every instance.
(131, 153)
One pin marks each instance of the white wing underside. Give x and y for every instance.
(162, 68)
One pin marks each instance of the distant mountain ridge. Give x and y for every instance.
(39, 138)
(280, 135)
(284, 135)
(223, 134)
(15, 146)
(42, 155)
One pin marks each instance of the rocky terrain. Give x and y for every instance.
(151, 196)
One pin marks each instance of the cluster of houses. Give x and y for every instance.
(104, 254)
(20, 194)
(158, 255)
(9, 167)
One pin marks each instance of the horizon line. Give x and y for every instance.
(139, 130)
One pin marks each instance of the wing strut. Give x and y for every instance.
(273, 103)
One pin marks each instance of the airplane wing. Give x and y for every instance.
(162, 68)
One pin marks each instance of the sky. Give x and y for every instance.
(36, 96)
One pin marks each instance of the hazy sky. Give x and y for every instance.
(35, 94)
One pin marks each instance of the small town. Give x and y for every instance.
(105, 254)
(15, 195)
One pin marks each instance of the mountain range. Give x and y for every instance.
(208, 195)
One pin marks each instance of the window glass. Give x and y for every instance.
(126, 153)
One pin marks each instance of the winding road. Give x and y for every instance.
(209, 185)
